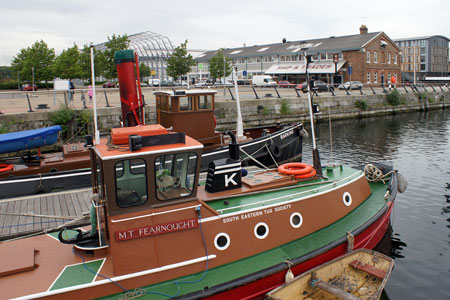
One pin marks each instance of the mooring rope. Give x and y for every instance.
(373, 174)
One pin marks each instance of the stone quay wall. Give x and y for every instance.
(265, 111)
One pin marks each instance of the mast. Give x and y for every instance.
(239, 125)
(316, 158)
(97, 133)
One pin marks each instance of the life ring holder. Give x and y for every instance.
(299, 170)
(6, 167)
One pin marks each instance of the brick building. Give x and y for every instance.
(371, 58)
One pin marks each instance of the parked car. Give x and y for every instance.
(220, 82)
(180, 83)
(320, 85)
(28, 87)
(202, 83)
(144, 84)
(285, 84)
(351, 85)
(244, 82)
(109, 84)
(167, 83)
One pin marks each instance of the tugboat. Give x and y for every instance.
(157, 232)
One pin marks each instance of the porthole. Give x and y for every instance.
(296, 220)
(222, 241)
(261, 230)
(347, 198)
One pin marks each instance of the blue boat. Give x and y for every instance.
(29, 139)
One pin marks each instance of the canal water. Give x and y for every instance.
(419, 146)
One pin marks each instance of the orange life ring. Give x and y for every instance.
(300, 170)
(5, 167)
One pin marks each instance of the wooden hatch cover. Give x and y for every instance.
(17, 261)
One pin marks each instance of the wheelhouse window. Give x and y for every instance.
(186, 103)
(175, 175)
(204, 102)
(131, 182)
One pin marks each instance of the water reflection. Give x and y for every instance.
(391, 244)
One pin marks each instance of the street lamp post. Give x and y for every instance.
(224, 75)
(32, 72)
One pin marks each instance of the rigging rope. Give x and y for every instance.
(254, 159)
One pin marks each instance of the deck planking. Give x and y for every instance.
(30, 214)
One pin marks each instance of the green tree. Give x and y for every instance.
(216, 65)
(40, 57)
(144, 70)
(115, 43)
(67, 64)
(180, 62)
(85, 62)
(5, 72)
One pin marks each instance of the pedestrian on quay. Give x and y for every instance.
(72, 90)
(90, 92)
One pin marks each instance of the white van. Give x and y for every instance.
(153, 82)
(263, 80)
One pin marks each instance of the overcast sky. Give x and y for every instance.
(211, 24)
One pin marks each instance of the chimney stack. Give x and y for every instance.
(363, 29)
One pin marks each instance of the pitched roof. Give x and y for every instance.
(323, 45)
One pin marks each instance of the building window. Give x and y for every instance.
(323, 56)
(395, 76)
(389, 58)
(389, 76)
(375, 57)
(375, 77)
(368, 57)
(395, 58)
(368, 77)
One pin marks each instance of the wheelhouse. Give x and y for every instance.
(190, 111)
(153, 176)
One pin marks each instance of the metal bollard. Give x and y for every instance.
(254, 91)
